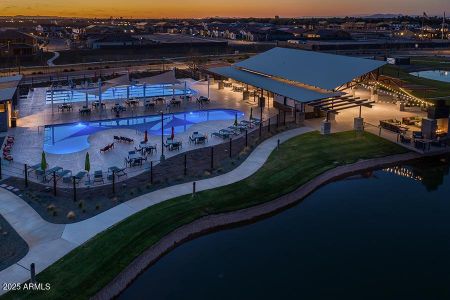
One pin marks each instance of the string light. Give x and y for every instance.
(403, 94)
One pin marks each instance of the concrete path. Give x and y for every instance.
(51, 60)
(49, 242)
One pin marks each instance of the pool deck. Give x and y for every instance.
(35, 113)
(49, 242)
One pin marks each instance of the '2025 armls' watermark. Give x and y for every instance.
(27, 286)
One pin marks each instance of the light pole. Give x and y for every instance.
(162, 137)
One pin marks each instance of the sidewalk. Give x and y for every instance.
(49, 242)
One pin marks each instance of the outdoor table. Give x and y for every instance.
(117, 171)
(96, 104)
(422, 144)
(195, 136)
(85, 110)
(65, 106)
(176, 103)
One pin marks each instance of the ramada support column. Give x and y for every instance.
(245, 95)
(325, 128)
(300, 114)
(374, 93)
(448, 127)
(358, 122)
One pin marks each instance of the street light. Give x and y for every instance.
(162, 137)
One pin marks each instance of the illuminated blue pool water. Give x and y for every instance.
(443, 76)
(74, 137)
(119, 92)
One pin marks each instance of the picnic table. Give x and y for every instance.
(203, 99)
(197, 137)
(176, 103)
(132, 102)
(96, 104)
(85, 110)
(173, 144)
(149, 104)
(186, 97)
(118, 108)
(65, 107)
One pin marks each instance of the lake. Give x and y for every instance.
(381, 234)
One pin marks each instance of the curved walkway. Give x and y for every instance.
(49, 242)
(51, 60)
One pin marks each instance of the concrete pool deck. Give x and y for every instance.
(35, 113)
(49, 242)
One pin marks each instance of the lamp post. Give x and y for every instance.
(162, 137)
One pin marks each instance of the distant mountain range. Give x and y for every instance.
(381, 16)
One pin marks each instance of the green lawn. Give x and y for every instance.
(84, 271)
(442, 89)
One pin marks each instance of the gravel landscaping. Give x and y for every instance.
(12, 246)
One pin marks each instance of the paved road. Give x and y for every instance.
(51, 60)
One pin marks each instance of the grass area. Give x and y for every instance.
(442, 89)
(84, 271)
(442, 63)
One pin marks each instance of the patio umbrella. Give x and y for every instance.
(251, 113)
(145, 136)
(87, 163)
(43, 161)
(235, 120)
(172, 135)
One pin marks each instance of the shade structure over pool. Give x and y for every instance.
(118, 81)
(164, 78)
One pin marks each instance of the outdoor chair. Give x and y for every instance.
(79, 176)
(98, 177)
(221, 135)
(176, 146)
(63, 173)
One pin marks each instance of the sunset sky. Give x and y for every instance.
(227, 8)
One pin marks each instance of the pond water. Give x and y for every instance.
(434, 74)
(379, 235)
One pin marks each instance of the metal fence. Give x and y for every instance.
(192, 165)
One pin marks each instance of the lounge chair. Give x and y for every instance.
(117, 171)
(255, 121)
(63, 173)
(176, 146)
(33, 168)
(98, 177)
(107, 148)
(50, 172)
(221, 135)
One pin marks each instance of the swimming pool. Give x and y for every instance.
(443, 76)
(119, 92)
(74, 137)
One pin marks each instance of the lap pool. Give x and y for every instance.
(74, 137)
(119, 92)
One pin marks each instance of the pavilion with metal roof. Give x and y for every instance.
(307, 78)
